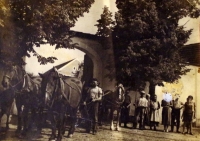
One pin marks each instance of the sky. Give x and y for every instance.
(86, 24)
(192, 24)
(62, 55)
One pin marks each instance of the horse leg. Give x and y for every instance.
(100, 115)
(7, 111)
(118, 119)
(53, 127)
(19, 115)
(64, 124)
(7, 121)
(73, 122)
(1, 115)
(25, 120)
(19, 120)
(39, 120)
(108, 112)
(111, 119)
(32, 119)
(60, 127)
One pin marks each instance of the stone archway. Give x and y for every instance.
(92, 49)
(89, 44)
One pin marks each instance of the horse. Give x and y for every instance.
(62, 97)
(113, 101)
(12, 80)
(6, 102)
(32, 102)
(18, 80)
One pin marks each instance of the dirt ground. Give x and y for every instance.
(104, 134)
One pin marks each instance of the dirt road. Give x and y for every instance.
(104, 134)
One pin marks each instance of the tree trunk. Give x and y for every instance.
(152, 88)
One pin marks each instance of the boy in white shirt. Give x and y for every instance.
(141, 105)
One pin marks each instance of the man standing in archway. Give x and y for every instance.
(94, 96)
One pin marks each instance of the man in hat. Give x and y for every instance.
(177, 105)
(140, 106)
(94, 96)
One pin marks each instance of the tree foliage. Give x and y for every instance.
(7, 37)
(104, 32)
(104, 28)
(44, 22)
(147, 39)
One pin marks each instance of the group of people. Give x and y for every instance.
(147, 112)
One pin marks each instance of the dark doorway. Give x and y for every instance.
(87, 70)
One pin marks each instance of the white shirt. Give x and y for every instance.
(177, 104)
(95, 93)
(142, 102)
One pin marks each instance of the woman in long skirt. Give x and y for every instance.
(166, 113)
(147, 113)
(154, 112)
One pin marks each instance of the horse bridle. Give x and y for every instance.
(54, 91)
(17, 78)
(116, 102)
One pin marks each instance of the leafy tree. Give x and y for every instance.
(6, 33)
(105, 25)
(104, 32)
(44, 22)
(4, 12)
(147, 39)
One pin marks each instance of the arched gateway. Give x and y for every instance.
(96, 55)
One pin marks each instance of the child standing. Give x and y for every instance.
(141, 105)
(154, 112)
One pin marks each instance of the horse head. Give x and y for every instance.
(50, 85)
(6, 81)
(13, 77)
(31, 84)
(120, 92)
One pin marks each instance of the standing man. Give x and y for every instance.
(141, 105)
(94, 96)
(177, 105)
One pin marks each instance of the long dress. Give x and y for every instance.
(188, 112)
(166, 112)
(147, 115)
(154, 111)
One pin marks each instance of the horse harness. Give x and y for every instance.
(116, 103)
(56, 89)
(19, 80)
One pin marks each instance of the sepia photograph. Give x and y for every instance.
(99, 70)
